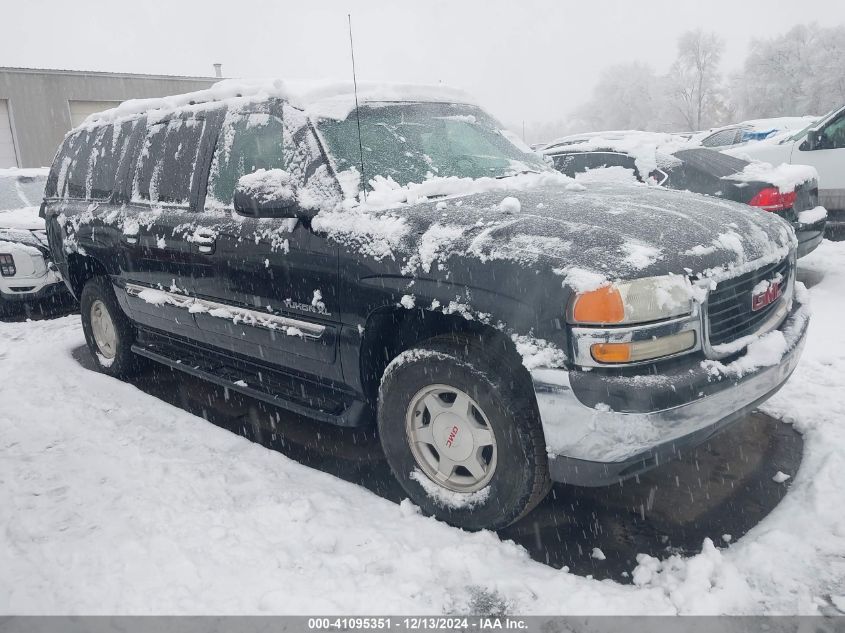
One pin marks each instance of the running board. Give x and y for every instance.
(345, 412)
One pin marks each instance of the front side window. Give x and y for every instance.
(833, 135)
(168, 161)
(248, 142)
(411, 142)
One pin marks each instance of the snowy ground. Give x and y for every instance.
(112, 501)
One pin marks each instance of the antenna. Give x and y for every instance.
(357, 113)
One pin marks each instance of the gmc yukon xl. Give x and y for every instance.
(406, 263)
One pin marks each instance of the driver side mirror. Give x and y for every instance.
(268, 193)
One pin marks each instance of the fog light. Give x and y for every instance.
(643, 350)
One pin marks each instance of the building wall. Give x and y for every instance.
(39, 102)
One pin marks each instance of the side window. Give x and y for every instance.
(78, 165)
(833, 135)
(109, 148)
(168, 161)
(247, 143)
(571, 164)
(720, 139)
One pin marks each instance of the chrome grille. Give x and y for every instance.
(729, 312)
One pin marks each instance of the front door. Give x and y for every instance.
(275, 293)
(828, 158)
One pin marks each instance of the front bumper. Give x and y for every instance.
(21, 289)
(602, 428)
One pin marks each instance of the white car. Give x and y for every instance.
(821, 145)
(751, 131)
(27, 273)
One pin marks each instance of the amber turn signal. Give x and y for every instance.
(612, 352)
(599, 307)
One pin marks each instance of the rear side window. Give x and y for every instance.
(72, 164)
(110, 146)
(247, 143)
(720, 139)
(168, 161)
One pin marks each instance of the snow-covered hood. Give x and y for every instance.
(588, 235)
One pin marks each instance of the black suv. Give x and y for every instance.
(502, 325)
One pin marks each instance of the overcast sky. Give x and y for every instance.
(524, 59)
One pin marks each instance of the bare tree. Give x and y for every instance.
(693, 81)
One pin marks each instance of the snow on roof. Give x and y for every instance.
(322, 99)
(26, 172)
(650, 150)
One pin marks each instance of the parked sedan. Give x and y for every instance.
(27, 273)
(790, 191)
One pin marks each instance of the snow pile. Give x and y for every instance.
(269, 185)
(785, 176)
(649, 150)
(811, 216)
(321, 98)
(387, 193)
(616, 173)
(705, 584)
(372, 235)
(448, 498)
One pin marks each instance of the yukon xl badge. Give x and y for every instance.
(767, 295)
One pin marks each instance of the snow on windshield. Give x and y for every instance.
(414, 142)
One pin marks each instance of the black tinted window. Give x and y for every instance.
(79, 164)
(247, 143)
(109, 148)
(168, 161)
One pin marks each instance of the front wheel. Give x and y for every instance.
(108, 331)
(462, 435)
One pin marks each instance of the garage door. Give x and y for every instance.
(7, 141)
(79, 110)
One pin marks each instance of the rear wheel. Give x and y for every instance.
(108, 331)
(461, 433)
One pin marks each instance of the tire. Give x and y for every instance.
(115, 359)
(515, 467)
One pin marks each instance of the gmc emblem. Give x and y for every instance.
(768, 296)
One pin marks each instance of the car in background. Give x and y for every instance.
(27, 273)
(822, 145)
(749, 131)
(790, 191)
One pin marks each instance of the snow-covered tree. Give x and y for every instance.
(625, 98)
(799, 72)
(693, 84)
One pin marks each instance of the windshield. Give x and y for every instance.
(803, 133)
(21, 191)
(411, 142)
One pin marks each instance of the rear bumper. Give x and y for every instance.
(650, 417)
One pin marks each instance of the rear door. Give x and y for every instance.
(159, 232)
(275, 295)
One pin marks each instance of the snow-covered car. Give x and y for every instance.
(406, 265)
(27, 273)
(789, 191)
(821, 145)
(750, 131)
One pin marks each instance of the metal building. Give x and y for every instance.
(38, 106)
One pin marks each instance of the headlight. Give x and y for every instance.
(629, 302)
